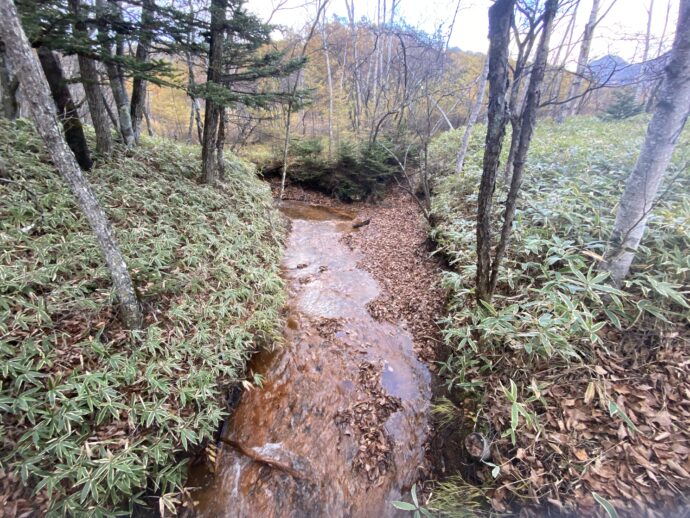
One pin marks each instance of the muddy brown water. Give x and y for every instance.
(311, 382)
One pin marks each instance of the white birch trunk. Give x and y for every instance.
(667, 123)
(474, 115)
(570, 108)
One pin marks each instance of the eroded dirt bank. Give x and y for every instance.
(340, 427)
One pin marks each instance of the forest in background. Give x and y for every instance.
(564, 225)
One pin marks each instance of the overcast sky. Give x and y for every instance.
(620, 32)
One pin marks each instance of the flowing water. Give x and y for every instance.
(344, 400)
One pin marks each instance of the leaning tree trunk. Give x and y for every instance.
(474, 115)
(66, 109)
(9, 104)
(91, 83)
(117, 83)
(35, 88)
(209, 161)
(527, 122)
(500, 18)
(664, 129)
(139, 83)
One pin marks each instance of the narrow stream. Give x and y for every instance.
(344, 402)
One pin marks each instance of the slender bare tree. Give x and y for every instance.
(329, 84)
(528, 121)
(474, 115)
(499, 36)
(500, 19)
(292, 101)
(571, 107)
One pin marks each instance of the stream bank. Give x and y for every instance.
(343, 414)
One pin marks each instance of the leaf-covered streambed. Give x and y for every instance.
(340, 424)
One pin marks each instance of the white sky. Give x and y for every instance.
(620, 32)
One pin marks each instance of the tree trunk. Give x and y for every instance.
(554, 89)
(329, 83)
(139, 83)
(356, 119)
(34, 85)
(665, 127)
(291, 102)
(67, 111)
(641, 90)
(516, 110)
(220, 143)
(92, 88)
(195, 113)
(147, 118)
(474, 115)
(8, 88)
(500, 18)
(215, 69)
(117, 83)
(97, 108)
(286, 148)
(528, 121)
(570, 108)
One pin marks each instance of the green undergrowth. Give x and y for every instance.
(94, 416)
(355, 172)
(553, 308)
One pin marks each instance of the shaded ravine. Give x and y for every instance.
(344, 401)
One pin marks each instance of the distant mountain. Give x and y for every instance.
(616, 71)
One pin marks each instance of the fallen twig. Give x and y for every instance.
(256, 457)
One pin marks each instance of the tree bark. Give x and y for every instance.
(528, 121)
(500, 17)
(8, 88)
(66, 109)
(97, 108)
(641, 90)
(329, 83)
(554, 89)
(474, 115)
(357, 94)
(517, 103)
(117, 83)
(91, 83)
(665, 127)
(220, 143)
(35, 87)
(139, 83)
(570, 108)
(215, 70)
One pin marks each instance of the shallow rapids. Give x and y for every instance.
(344, 401)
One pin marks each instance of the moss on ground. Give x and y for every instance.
(92, 414)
